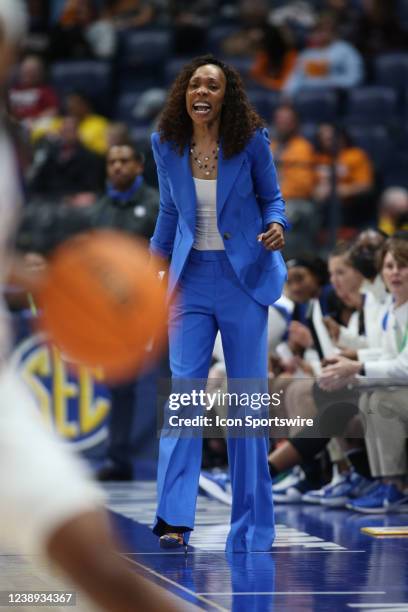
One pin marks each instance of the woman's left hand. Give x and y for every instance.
(273, 239)
(338, 373)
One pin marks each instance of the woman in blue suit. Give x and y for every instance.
(221, 222)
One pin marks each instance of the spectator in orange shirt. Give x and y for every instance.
(295, 158)
(337, 156)
(275, 58)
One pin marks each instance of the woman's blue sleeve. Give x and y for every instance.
(162, 240)
(266, 181)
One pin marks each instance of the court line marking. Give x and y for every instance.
(383, 606)
(202, 551)
(300, 593)
(198, 596)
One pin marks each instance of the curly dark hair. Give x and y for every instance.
(239, 120)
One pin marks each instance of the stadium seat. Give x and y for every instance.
(143, 48)
(403, 13)
(309, 131)
(217, 34)
(399, 135)
(391, 69)
(173, 67)
(317, 106)
(125, 107)
(372, 105)
(141, 58)
(375, 140)
(395, 173)
(94, 78)
(264, 101)
(241, 64)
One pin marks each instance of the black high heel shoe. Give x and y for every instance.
(173, 540)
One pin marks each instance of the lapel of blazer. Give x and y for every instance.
(227, 173)
(180, 171)
(183, 185)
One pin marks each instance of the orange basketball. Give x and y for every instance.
(102, 302)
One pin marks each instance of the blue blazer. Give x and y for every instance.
(248, 199)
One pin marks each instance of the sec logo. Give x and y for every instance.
(73, 400)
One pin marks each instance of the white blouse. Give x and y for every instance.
(207, 236)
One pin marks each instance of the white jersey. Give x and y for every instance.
(43, 484)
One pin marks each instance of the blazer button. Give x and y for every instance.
(227, 235)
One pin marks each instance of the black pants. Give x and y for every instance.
(335, 409)
(124, 403)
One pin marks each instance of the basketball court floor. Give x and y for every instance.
(320, 560)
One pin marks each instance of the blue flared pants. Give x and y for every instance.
(211, 299)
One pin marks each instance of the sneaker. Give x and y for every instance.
(383, 498)
(291, 489)
(291, 478)
(315, 496)
(216, 486)
(349, 487)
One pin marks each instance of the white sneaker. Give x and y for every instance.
(351, 486)
(291, 489)
(294, 476)
(315, 496)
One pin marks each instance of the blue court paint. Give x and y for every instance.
(320, 560)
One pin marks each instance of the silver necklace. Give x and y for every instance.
(208, 163)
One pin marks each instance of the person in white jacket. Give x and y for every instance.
(386, 408)
(367, 345)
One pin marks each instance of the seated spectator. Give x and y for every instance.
(83, 32)
(275, 58)
(364, 340)
(335, 413)
(345, 171)
(131, 206)
(327, 62)
(125, 14)
(393, 210)
(252, 16)
(307, 281)
(385, 411)
(63, 167)
(190, 23)
(67, 37)
(31, 98)
(294, 159)
(299, 398)
(92, 128)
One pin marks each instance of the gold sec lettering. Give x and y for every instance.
(63, 391)
(38, 365)
(91, 413)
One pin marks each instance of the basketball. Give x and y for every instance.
(102, 303)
